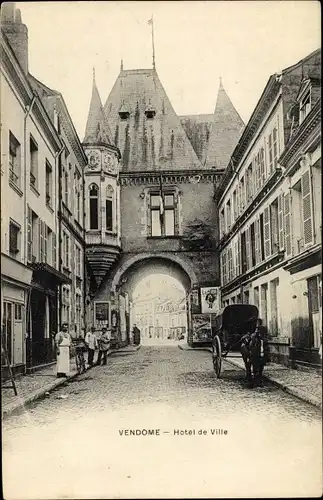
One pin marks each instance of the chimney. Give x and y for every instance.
(16, 32)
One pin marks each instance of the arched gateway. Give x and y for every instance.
(149, 188)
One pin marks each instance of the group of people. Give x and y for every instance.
(63, 342)
(102, 343)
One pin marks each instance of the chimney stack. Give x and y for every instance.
(16, 32)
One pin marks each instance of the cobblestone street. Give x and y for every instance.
(76, 433)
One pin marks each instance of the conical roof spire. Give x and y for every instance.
(97, 128)
(226, 129)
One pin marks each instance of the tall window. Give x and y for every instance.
(33, 150)
(14, 160)
(77, 196)
(66, 251)
(94, 206)
(162, 212)
(253, 244)
(109, 209)
(49, 176)
(66, 188)
(273, 149)
(14, 237)
(305, 105)
(77, 260)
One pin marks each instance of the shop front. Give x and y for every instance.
(15, 287)
(42, 314)
(306, 321)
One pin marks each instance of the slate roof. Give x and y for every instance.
(156, 144)
(227, 127)
(97, 129)
(197, 128)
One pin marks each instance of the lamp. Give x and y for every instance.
(142, 195)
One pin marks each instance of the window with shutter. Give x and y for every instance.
(267, 242)
(288, 227)
(239, 256)
(307, 204)
(54, 263)
(41, 238)
(247, 233)
(281, 241)
(45, 236)
(29, 236)
(274, 226)
(262, 166)
(257, 241)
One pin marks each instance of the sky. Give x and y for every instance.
(196, 43)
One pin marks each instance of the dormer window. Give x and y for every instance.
(150, 111)
(124, 112)
(305, 102)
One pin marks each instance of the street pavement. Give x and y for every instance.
(74, 444)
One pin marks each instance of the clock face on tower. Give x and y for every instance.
(93, 158)
(108, 162)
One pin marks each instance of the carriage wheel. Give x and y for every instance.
(217, 357)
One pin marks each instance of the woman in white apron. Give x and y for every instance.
(63, 343)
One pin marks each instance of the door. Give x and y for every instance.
(314, 311)
(18, 333)
(8, 329)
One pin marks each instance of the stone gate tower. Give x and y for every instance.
(162, 169)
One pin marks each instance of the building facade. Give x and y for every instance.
(42, 212)
(69, 201)
(166, 187)
(29, 148)
(260, 231)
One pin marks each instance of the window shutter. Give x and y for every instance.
(45, 236)
(281, 241)
(29, 236)
(267, 239)
(40, 240)
(257, 241)
(262, 165)
(288, 225)
(239, 256)
(248, 252)
(307, 208)
(236, 265)
(54, 263)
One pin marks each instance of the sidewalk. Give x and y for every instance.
(35, 385)
(303, 384)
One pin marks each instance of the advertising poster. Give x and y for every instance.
(202, 331)
(210, 300)
(195, 301)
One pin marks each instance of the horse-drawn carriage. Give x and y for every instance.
(235, 321)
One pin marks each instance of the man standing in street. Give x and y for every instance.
(104, 346)
(91, 343)
(136, 335)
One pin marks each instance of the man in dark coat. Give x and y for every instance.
(259, 352)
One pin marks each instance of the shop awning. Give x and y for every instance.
(44, 270)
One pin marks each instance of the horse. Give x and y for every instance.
(255, 354)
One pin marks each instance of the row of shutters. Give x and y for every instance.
(274, 238)
(42, 250)
(257, 175)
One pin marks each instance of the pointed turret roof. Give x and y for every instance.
(97, 128)
(227, 126)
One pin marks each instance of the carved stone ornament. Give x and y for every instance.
(108, 162)
(93, 158)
